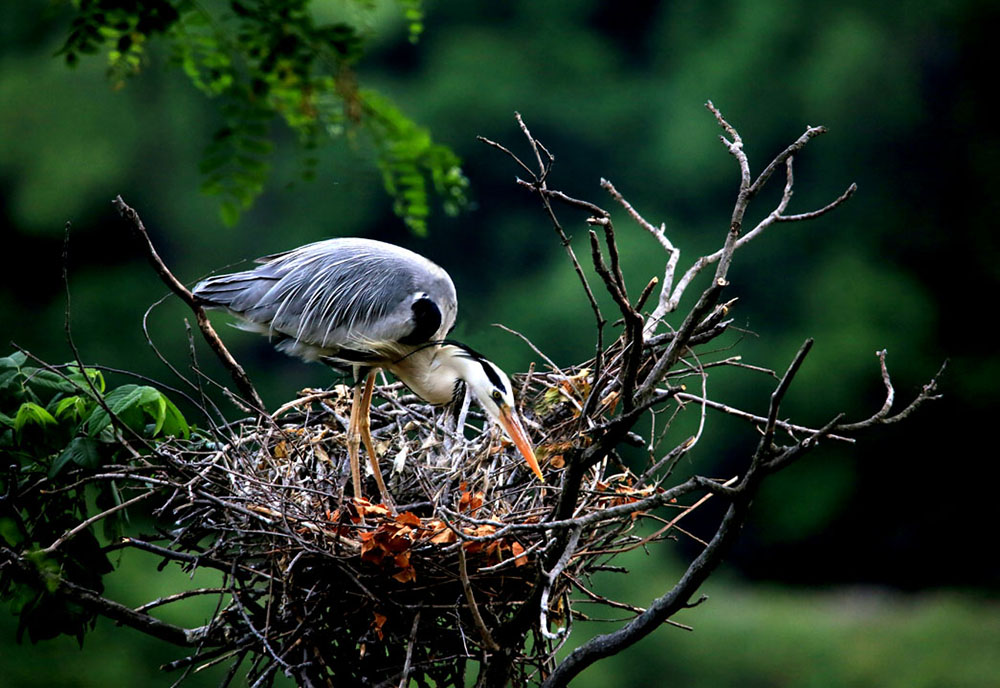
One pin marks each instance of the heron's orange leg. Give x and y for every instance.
(354, 441)
(364, 427)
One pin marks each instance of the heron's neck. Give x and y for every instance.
(432, 373)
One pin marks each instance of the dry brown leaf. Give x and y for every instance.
(407, 575)
(444, 536)
(470, 502)
(408, 518)
(518, 551)
(611, 401)
(377, 624)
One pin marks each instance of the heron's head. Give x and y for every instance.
(492, 389)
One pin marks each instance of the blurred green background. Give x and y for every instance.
(863, 566)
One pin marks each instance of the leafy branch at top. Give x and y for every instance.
(268, 60)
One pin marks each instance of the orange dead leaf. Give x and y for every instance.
(366, 509)
(611, 401)
(518, 551)
(396, 542)
(372, 550)
(470, 501)
(407, 575)
(408, 518)
(444, 536)
(377, 510)
(377, 624)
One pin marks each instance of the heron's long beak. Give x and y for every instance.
(512, 425)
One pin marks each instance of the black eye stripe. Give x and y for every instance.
(493, 376)
(491, 372)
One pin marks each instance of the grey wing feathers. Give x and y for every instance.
(354, 294)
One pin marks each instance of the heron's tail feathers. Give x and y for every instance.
(236, 292)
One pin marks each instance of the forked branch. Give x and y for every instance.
(645, 363)
(240, 378)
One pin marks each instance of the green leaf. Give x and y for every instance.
(268, 61)
(125, 403)
(90, 377)
(134, 405)
(14, 361)
(409, 160)
(11, 531)
(174, 423)
(83, 451)
(72, 408)
(51, 381)
(229, 212)
(31, 413)
(47, 566)
(159, 414)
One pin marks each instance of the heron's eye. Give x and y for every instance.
(497, 397)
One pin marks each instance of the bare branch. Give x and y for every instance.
(882, 417)
(812, 215)
(670, 295)
(660, 610)
(784, 425)
(404, 680)
(470, 598)
(96, 518)
(779, 393)
(551, 577)
(235, 369)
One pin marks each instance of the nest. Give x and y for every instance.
(338, 589)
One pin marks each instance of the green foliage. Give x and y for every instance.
(57, 424)
(272, 60)
(120, 26)
(414, 12)
(409, 159)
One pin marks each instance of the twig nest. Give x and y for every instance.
(461, 549)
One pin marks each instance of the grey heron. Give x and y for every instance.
(364, 304)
